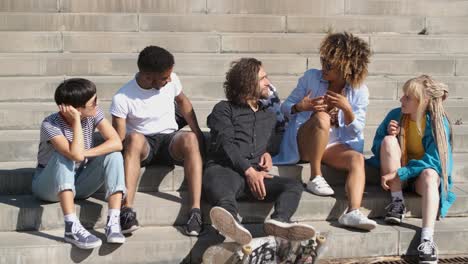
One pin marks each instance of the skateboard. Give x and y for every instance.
(267, 250)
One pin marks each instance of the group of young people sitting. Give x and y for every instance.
(321, 122)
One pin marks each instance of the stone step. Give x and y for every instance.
(29, 115)
(152, 245)
(23, 89)
(277, 7)
(132, 22)
(16, 176)
(217, 64)
(25, 212)
(189, 42)
(430, 44)
(447, 25)
(168, 245)
(55, 64)
(68, 22)
(201, 6)
(294, 24)
(42, 6)
(133, 6)
(406, 7)
(16, 142)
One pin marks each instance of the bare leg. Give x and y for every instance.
(427, 185)
(185, 146)
(343, 157)
(67, 202)
(312, 140)
(390, 160)
(115, 200)
(136, 149)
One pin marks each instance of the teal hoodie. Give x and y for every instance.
(430, 160)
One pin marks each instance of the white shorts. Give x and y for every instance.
(334, 138)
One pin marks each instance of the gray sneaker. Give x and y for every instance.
(227, 225)
(288, 231)
(76, 234)
(114, 232)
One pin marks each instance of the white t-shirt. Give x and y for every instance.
(150, 111)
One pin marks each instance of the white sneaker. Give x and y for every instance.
(319, 186)
(225, 223)
(357, 220)
(288, 231)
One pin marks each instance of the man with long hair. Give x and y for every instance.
(239, 165)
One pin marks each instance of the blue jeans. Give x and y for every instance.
(60, 175)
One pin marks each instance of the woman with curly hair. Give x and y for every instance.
(414, 145)
(327, 112)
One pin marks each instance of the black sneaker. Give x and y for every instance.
(395, 212)
(128, 220)
(194, 225)
(427, 252)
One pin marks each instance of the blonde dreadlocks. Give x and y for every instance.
(424, 87)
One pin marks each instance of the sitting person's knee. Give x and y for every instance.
(321, 120)
(430, 177)
(390, 142)
(356, 160)
(189, 140)
(134, 141)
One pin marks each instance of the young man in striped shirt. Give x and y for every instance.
(71, 167)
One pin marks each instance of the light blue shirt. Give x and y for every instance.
(351, 134)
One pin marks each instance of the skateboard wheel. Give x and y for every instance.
(321, 239)
(246, 250)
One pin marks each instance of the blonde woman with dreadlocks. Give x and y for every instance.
(327, 112)
(414, 145)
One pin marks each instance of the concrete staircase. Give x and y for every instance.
(47, 41)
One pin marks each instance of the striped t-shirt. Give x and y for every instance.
(54, 125)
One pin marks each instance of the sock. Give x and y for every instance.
(195, 210)
(71, 217)
(427, 233)
(114, 216)
(398, 196)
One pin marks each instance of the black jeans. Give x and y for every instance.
(222, 186)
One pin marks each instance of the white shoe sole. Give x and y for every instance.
(225, 223)
(293, 232)
(367, 227)
(393, 220)
(193, 233)
(130, 230)
(428, 262)
(321, 194)
(118, 240)
(82, 246)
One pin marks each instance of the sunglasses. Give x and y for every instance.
(326, 64)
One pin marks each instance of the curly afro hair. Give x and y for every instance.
(349, 53)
